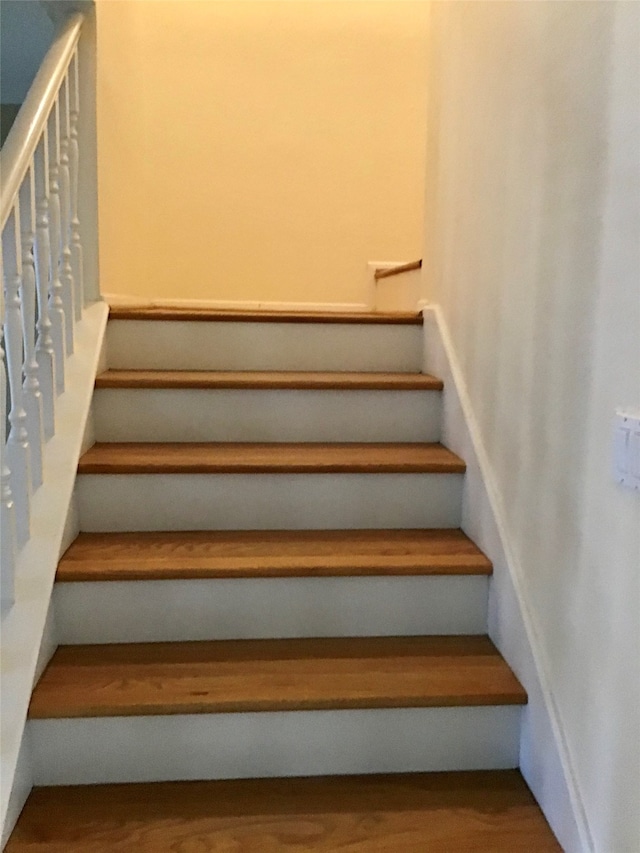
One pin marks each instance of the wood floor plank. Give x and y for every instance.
(273, 675)
(479, 812)
(151, 312)
(273, 458)
(269, 553)
(276, 379)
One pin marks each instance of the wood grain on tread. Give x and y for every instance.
(225, 676)
(468, 812)
(275, 458)
(284, 380)
(269, 553)
(150, 312)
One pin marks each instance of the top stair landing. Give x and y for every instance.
(153, 338)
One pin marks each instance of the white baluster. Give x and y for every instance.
(74, 159)
(31, 384)
(45, 354)
(56, 305)
(66, 272)
(7, 508)
(18, 442)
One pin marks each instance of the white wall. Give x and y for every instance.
(532, 251)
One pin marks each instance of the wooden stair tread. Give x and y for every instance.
(275, 458)
(151, 312)
(277, 379)
(269, 553)
(407, 813)
(273, 675)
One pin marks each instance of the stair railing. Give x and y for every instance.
(43, 289)
(387, 272)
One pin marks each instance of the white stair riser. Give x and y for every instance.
(145, 414)
(302, 743)
(267, 501)
(166, 610)
(178, 345)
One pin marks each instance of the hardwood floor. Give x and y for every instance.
(285, 458)
(269, 553)
(231, 676)
(272, 379)
(479, 812)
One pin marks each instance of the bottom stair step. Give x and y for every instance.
(439, 812)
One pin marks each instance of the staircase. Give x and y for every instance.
(271, 582)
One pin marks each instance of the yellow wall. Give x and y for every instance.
(258, 150)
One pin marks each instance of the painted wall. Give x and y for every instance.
(532, 252)
(259, 150)
(26, 33)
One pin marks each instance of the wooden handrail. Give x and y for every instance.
(389, 271)
(23, 138)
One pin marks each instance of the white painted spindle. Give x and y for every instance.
(66, 272)
(74, 161)
(7, 508)
(31, 384)
(45, 355)
(56, 304)
(18, 455)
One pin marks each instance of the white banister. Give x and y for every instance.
(8, 543)
(17, 446)
(31, 384)
(41, 297)
(27, 129)
(45, 353)
(66, 273)
(76, 238)
(56, 303)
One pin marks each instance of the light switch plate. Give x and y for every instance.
(626, 448)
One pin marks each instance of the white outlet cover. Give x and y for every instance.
(626, 448)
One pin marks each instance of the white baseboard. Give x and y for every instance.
(117, 299)
(21, 786)
(545, 760)
(27, 638)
